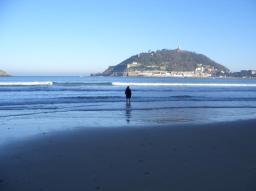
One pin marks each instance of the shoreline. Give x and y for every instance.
(218, 156)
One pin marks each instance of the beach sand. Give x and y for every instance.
(215, 157)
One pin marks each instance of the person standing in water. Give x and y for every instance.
(128, 93)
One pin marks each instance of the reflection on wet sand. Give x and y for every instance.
(128, 110)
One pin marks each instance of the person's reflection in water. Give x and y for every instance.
(128, 112)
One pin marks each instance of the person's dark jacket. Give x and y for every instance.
(128, 93)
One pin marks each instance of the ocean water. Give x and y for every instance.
(39, 105)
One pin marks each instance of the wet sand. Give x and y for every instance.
(219, 156)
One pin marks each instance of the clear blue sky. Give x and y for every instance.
(47, 37)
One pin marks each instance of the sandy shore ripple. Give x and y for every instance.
(213, 157)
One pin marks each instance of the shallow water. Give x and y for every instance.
(34, 105)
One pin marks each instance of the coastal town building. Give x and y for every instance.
(244, 74)
(135, 69)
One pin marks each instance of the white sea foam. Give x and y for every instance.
(183, 84)
(26, 83)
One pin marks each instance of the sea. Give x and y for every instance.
(36, 105)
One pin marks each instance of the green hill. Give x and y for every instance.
(165, 60)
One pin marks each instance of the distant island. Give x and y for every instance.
(3, 73)
(171, 63)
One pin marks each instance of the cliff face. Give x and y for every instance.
(165, 60)
(3, 73)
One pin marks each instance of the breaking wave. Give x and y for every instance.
(183, 84)
(49, 83)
